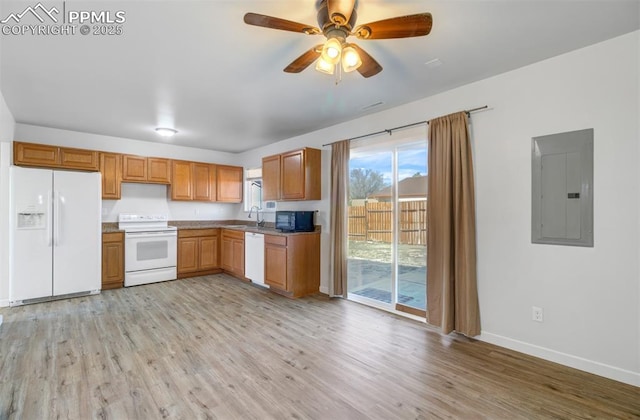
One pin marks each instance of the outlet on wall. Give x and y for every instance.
(536, 314)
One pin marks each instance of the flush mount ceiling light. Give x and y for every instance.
(337, 21)
(166, 132)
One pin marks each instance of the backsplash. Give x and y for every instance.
(152, 199)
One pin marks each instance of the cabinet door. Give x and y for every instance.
(213, 184)
(134, 168)
(79, 159)
(275, 266)
(293, 176)
(238, 257)
(181, 180)
(271, 178)
(229, 184)
(202, 182)
(209, 253)
(159, 170)
(187, 255)
(35, 155)
(112, 260)
(226, 252)
(111, 170)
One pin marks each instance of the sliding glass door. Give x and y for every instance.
(387, 224)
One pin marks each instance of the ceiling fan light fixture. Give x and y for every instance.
(166, 132)
(350, 59)
(332, 51)
(324, 67)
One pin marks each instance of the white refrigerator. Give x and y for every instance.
(55, 234)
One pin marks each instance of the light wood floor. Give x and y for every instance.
(214, 347)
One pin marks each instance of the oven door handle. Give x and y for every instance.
(150, 234)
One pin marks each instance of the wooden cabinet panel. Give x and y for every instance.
(79, 159)
(35, 154)
(292, 179)
(295, 175)
(187, 255)
(202, 181)
(112, 260)
(232, 252)
(193, 181)
(208, 253)
(229, 184)
(275, 267)
(292, 264)
(111, 170)
(134, 168)
(271, 178)
(198, 252)
(159, 170)
(181, 180)
(144, 169)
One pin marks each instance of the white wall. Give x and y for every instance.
(139, 198)
(7, 125)
(590, 296)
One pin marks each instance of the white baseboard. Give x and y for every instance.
(4, 303)
(597, 368)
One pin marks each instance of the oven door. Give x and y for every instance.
(150, 250)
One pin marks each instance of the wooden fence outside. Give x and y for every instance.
(373, 222)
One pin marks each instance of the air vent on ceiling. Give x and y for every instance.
(368, 107)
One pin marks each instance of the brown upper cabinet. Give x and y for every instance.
(29, 154)
(111, 170)
(146, 169)
(193, 181)
(294, 175)
(229, 183)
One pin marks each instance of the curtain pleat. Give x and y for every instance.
(452, 292)
(339, 216)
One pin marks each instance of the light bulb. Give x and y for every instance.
(350, 59)
(332, 50)
(324, 67)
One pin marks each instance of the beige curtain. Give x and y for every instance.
(339, 216)
(452, 293)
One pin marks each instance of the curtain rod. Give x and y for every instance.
(391, 130)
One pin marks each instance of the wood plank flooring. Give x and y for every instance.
(217, 348)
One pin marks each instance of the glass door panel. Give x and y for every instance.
(371, 214)
(411, 238)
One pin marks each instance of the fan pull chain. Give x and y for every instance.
(338, 73)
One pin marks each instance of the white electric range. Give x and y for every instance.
(151, 250)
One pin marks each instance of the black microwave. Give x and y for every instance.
(295, 221)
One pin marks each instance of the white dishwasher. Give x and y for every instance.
(254, 257)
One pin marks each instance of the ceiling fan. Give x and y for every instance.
(337, 21)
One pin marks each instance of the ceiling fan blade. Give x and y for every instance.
(304, 60)
(398, 27)
(277, 23)
(370, 66)
(340, 11)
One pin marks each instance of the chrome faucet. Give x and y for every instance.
(258, 221)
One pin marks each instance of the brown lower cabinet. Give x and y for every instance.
(292, 264)
(112, 260)
(233, 252)
(198, 252)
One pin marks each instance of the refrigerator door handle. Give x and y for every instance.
(58, 218)
(49, 219)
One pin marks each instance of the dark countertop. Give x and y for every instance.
(109, 227)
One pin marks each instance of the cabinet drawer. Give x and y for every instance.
(235, 234)
(275, 240)
(191, 233)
